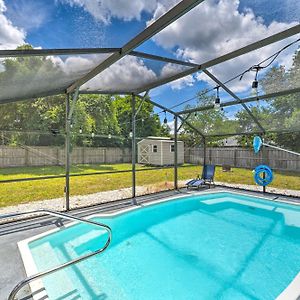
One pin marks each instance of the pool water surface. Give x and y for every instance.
(208, 246)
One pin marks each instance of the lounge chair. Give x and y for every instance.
(207, 177)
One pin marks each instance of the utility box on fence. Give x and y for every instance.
(159, 151)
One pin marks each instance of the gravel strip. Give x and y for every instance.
(58, 204)
(257, 188)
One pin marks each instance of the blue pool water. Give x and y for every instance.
(213, 246)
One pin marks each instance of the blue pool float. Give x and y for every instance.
(257, 143)
(259, 176)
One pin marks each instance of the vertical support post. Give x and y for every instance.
(264, 161)
(175, 152)
(67, 152)
(133, 148)
(204, 151)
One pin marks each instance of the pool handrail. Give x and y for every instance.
(31, 278)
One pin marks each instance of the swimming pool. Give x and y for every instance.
(207, 246)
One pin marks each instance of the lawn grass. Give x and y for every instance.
(21, 192)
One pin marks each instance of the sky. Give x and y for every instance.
(213, 28)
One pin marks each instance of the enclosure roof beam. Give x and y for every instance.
(244, 100)
(253, 132)
(162, 59)
(88, 92)
(33, 96)
(175, 114)
(78, 51)
(169, 17)
(251, 47)
(185, 119)
(47, 52)
(225, 88)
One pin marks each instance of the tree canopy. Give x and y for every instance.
(275, 114)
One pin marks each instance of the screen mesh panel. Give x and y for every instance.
(132, 73)
(235, 24)
(279, 113)
(228, 120)
(32, 76)
(280, 73)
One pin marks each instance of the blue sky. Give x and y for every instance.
(77, 23)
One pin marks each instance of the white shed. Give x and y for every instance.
(159, 151)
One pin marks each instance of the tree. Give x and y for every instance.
(284, 110)
(213, 121)
(147, 123)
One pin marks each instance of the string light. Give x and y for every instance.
(80, 130)
(256, 68)
(165, 119)
(109, 136)
(93, 131)
(217, 100)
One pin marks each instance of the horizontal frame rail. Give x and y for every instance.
(29, 279)
(84, 174)
(241, 101)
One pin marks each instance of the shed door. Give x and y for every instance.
(144, 154)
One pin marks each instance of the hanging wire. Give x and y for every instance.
(272, 58)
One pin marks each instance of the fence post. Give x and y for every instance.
(26, 162)
(57, 156)
(235, 158)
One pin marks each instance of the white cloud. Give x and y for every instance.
(10, 36)
(172, 126)
(127, 74)
(104, 10)
(78, 65)
(216, 27)
(172, 69)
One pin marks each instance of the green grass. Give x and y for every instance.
(21, 192)
(29, 172)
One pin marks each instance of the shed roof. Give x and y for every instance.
(159, 139)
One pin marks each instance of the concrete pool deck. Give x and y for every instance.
(12, 270)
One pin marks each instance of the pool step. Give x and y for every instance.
(64, 287)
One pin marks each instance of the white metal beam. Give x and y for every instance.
(254, 46)
(244, 100)
(172, 15)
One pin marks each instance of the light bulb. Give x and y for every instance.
(109, 136)
(217, 103)
(130, 134)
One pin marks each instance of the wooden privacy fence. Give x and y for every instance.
(11, 156)
(244, 158)
(51, 156)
